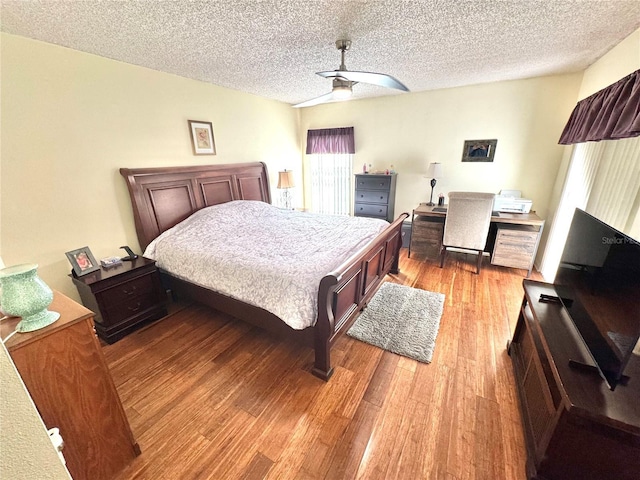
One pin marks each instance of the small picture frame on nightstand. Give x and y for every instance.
(82, 261)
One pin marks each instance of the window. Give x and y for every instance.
(331, 183)
(604, 180)
(331, 162)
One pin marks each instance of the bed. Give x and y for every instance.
(164, 197)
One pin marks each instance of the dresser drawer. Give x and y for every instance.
(369, 210)
(377, 182)
(423, 230)
(506, 259)
(507, 235)
(372, 196)
(136, 287)
(426, 236)
(514, 248)
(525, 248)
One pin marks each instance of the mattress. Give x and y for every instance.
(263, 255)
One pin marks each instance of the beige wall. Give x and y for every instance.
(619, 62)
(70, 120)
(411, 130)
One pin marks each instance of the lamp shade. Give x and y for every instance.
(434, 170)
(285, 179)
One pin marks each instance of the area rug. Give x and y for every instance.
(402, 320)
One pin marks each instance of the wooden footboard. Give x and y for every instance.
(346, 291)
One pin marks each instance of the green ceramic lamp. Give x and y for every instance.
(25, 295)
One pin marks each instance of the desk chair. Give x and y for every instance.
(467, 223)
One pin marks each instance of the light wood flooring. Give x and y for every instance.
(209, 397)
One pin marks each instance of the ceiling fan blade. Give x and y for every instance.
(327, 97)
(380, 79)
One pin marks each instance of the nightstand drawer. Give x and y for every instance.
(372, 196)
(126, 291)
(377, 182)
(370, 210)
(119, 312)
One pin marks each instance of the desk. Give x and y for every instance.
(512, 241)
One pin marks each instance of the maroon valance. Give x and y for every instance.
(610, 114)
(331, 140)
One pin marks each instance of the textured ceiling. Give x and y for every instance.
(273, 48)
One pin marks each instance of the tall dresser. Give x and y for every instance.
(375, 196)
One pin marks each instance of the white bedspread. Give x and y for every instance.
(263, 255)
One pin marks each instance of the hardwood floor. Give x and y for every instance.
(205, 401)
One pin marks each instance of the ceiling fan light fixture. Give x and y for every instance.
(344, 80)
(342, 92)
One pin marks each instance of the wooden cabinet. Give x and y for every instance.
(575, 427)
(515, 246)
(375, 196)
(68, 379)
(426, 235)
(124, 297)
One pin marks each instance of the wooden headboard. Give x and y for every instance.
(164, 196)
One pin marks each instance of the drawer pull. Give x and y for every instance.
(136, 308)
(523, 237)
(129, 292)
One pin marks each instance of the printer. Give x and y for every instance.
(510, 201)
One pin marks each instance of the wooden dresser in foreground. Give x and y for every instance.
(65, 372)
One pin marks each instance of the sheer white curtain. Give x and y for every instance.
(331, 175)
(331, 161)
(604, 180)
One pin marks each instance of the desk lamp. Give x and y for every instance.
(434, 171)
(285, 182)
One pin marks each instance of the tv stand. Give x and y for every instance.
(575, 427)
(593, 370)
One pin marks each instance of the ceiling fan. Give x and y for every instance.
(344, 80)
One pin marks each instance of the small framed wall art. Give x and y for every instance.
(82, 261)
(202, 138)
(479, 150)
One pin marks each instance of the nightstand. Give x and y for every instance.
(123, 297)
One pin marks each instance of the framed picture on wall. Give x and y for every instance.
(82, 261)
(202, 137)
(479, 150)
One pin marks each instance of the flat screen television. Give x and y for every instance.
(598, 282)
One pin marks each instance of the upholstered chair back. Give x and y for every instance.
(467, 221)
